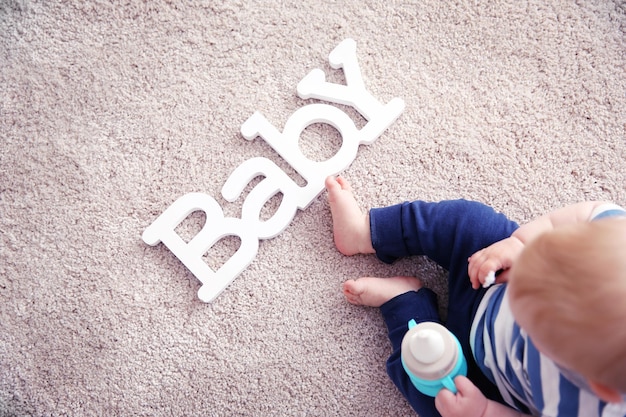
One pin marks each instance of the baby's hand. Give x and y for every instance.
(468, 401)
(499, 256)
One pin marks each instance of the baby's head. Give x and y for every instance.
(568, 292)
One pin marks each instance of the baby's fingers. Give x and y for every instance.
(473, 268)
(482, 270)
(466, 387)
(447, 404)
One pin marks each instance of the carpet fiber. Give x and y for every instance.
(111, 110)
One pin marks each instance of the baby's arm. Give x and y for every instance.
(501, 255)
(575, 213)
(470, 402)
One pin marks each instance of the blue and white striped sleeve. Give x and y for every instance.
(607, 210)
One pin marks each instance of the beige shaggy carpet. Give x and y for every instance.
(112, 110)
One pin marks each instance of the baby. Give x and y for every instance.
(549, 339)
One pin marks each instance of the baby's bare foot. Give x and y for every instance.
(374, 292)
(351, 228)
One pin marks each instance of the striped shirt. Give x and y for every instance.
(529, 381)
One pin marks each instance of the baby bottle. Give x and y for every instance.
(432, 357)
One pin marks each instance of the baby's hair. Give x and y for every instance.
(571, 282)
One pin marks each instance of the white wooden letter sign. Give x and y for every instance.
(249, 228)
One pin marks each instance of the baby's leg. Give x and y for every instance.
(351, 227)
(400, 300)
(420, 306)
(374, 292)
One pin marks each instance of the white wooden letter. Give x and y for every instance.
(275, 181)
(215, 228)
(249, 228)
(286, 144)
(353, 94)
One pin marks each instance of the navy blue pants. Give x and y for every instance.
(447, 232)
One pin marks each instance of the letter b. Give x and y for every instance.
(215, 228)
